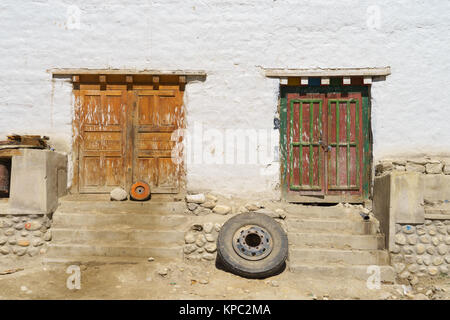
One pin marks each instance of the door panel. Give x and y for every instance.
(158, 115)
(102, 115)
(306, 130)
(324, 154)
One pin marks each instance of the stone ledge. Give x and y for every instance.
(437, 216)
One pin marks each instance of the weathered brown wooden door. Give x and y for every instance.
(102, 143)
(123, 135)
(324, 146)
(157, 116)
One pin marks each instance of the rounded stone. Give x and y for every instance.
(118, 194)
(208, 256)
(424, 239)
(208, 227)
(427, 260)
(9, 232)
(404, 274)
(395, 249)
(421, 230)
(400, 239)
(442, 249)
(409, 259)
(399, 267)
(189, 237)
(48, 236)
(413, 268)
(217, 227)
(33, 225)
(442, 229)
(210, 238)
(447, 259)
(200, 250)
(407, 250)
(3, 240)
(12, 241)
(37, 242)
(419, 260)
(447, 240)
(420, 248)
(208, 204)
(432, 230)
(412, 239)
(5, 223)
(443, 269)
(189, 248)
(432, 271)
(192, 206)
(397, 258)
(408, 229)
(430, 250)
(15, 219)
(196, 198)
(201, 240)
(428, 222)
(211, 247)
(23, 242)
(438, 261)
(221, 209)
(4, 250)
(435, 241)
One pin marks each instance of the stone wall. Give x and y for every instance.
(210, 212)
(200, 242)
(22, 235)
(421, 250)
(426, 165)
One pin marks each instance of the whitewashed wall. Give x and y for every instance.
(231, 40)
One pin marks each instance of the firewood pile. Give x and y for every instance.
(25, 141)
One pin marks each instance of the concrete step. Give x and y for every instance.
(387, 273)
(115, 207)
(117, 221)
(345, 226)
(336, 240)
(117, 249)
(95, 260)
(321, 212)
(347, 257)
(62, 235)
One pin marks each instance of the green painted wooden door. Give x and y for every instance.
(325, 155)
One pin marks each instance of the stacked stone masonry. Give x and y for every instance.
(421, 250)
(200, 242)
(424, 165)
(22, 235)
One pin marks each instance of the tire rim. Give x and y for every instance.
(252, 242)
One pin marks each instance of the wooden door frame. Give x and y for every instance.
(130, 114)
(366, 144)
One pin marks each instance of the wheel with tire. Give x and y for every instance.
(140, 191)
(252, 245)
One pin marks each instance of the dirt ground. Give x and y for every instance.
(169, 280)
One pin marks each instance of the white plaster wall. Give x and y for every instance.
(231, 40)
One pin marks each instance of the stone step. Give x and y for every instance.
(97, 260)
(115, 207)
(118, 249)
(347, 257)
(345, 226)
(336, 240)
(62, 235)
(359, 272)
(117, 221)
(321, 212)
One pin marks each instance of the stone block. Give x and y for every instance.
(38, 178)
